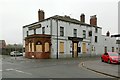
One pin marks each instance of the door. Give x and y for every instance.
(75, 49)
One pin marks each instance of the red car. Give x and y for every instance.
(110, 57)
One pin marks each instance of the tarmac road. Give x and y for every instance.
(49, 68)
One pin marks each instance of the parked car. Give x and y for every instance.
(16, 53)
(110, 57)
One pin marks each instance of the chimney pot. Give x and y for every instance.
(93, 20)
(82, 18)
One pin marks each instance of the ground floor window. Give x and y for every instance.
(61, 47)
(46, 47)
(38, 46)
(105, 49)
(112, 49)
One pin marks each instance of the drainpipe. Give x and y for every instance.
(57, 39)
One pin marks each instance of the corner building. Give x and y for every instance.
(64, 37)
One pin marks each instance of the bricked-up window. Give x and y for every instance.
(112, 49)
(61, 31)
(46, 47)
(38, 46)
(75, 33)
(61, 47)
(84, 34)
(43, 30)
(96, 39)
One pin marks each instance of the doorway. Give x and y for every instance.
(75, 49)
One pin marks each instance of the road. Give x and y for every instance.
(46, 68)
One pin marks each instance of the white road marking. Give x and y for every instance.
(9, 69)
(23, 72)
(0, 70)
(18, 71)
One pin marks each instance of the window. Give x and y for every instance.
(38, 46)
(96, 30)
(46, 47)
(75, 33)
(105, 49)
(96, 39)
(61, 31)
(112, 49)
(61, 47)
(43, 30)
(32, 47)
(84, 34)
(34, 31)
(90, 33)
(27, 33)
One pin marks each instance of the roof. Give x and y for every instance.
(117, 35)
(2, 44)
(66, 19)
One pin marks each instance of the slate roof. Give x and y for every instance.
(66, 19)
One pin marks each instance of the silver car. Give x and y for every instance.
(16, 53)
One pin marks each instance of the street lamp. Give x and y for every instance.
(57, 40)
(15, 45)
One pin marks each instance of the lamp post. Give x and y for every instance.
(57, 40)
(15, 45)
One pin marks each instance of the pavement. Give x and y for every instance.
(103, 68)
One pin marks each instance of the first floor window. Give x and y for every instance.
(43, 30)
(96, 39)
(75, 33)
(84, 34)
(61, 31)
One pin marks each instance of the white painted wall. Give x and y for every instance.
(68, 32)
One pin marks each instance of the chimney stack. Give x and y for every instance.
(93, 20)
(41, 15)
(82, 18)
(108, 33)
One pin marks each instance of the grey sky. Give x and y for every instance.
(16, 13)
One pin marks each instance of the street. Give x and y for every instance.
(46, 68)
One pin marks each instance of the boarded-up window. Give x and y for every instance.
(38, 47)
(46, 47)
(61, 47)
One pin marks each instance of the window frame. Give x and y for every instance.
(43, 30)
(96, 39)
(74, 32)
(61, 31)
(84, 34)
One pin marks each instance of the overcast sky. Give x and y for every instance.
(14, 14)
